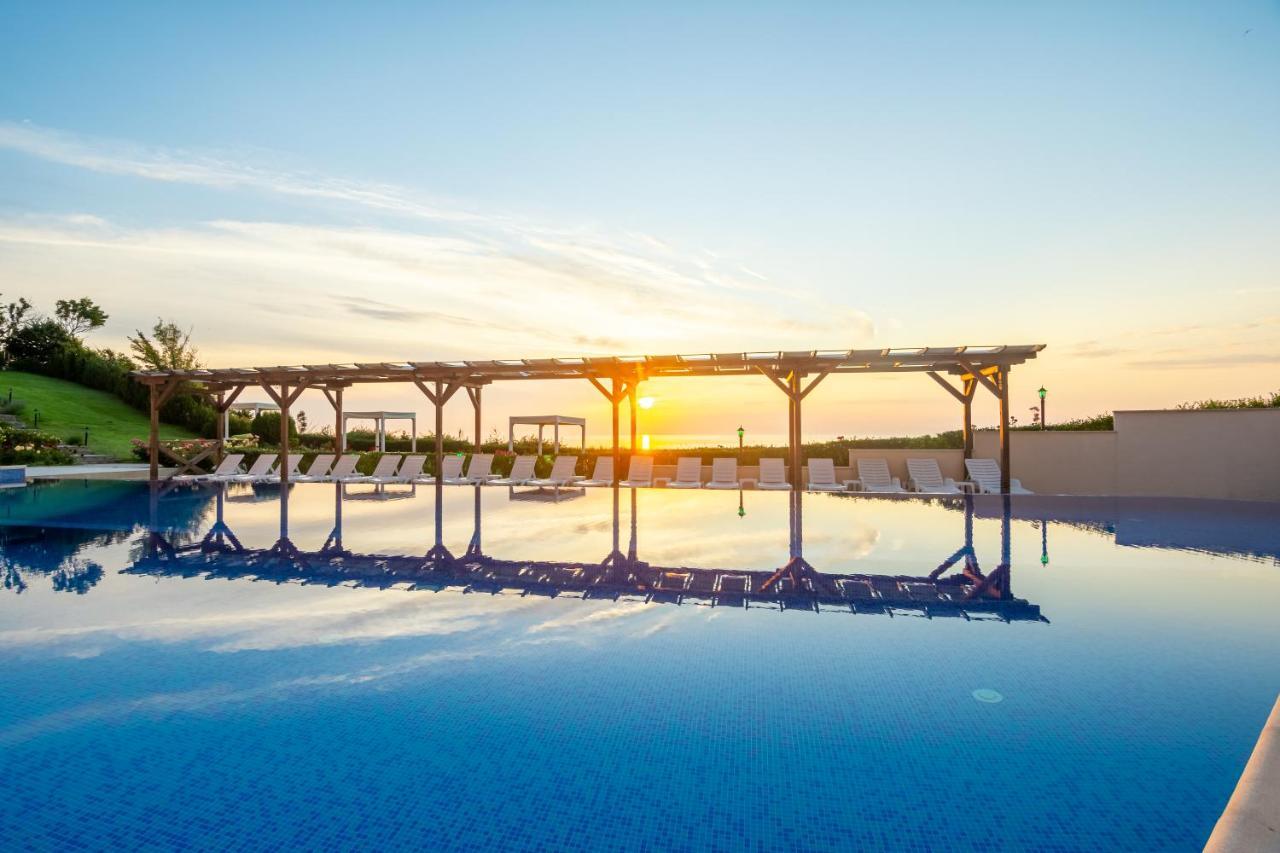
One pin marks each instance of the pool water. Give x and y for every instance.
(1102, 690)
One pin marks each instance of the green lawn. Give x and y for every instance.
(67, 408)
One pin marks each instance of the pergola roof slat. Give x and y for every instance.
(954, 360)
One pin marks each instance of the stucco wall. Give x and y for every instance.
(1057, 463)
(1222, 454)
(1232, 454)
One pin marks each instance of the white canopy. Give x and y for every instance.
(542, 422)
(380, 427)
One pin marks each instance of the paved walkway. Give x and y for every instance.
(107, 471)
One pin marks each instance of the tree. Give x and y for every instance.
(77, 316)
(168, 348)
(37, 342)
(12, 319)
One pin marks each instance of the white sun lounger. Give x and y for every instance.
(409, 468)
(318, 468)
(521, 472)
(260, 468)
(926, 476)
(451, 470)
(386, 467)
(822, 477)
(480, 469)
(688, 473)
(343, 469)
(724, 474)
(603, 473)
(639, 473)
(294, 460)
(773, 475)
(562, 471)
(228, 467)
(873, 476)
(985, 473)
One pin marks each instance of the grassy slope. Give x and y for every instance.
(66, 409)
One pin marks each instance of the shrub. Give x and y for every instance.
(30, 447)
(266, 426)
(1262, 401)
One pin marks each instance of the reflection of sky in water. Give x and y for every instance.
(279, 707)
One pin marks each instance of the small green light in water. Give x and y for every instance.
(741, 512)
(1044, 559)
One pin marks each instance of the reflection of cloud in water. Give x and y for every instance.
(746, 547)
(360, 618)
(210, 699)
(604, 614)
(570, 628)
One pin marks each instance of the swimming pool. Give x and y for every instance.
(378, 669)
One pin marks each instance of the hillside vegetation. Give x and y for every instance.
(67, 408)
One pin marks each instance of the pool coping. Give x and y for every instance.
(1251, 821)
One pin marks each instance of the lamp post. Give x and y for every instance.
(741, 432)
(1042, 392)
(36, 416)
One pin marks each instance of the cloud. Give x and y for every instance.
(1209, 361)
(169, 166)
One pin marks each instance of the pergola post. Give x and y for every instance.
(965, 398)
(339, 419)
(970, 386)
(555, 433)
(284, 436)
(474, 394)
(618, 391)
(996, 380)
(160, 394)
(614, 394)
(790, 385)
(153, 440)
(797, 433)
(438, 397)
(439, 403)
(1002, 377)
(341, 435)
(631, 403)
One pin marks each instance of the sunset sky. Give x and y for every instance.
(344, 183)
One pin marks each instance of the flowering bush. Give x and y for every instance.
(184, 447)
(30, 447)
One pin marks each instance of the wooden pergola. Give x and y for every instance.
(795, 373)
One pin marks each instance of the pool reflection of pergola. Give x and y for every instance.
(967, 593)
(796, 374)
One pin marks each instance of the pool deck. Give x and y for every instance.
(1251, 821)
(106, 471)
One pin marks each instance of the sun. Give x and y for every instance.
(646, 402)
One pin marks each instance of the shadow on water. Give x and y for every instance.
(958, 587)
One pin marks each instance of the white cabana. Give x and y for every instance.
(380, 427)
(542, 422)
(255, 408)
